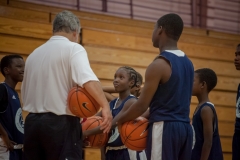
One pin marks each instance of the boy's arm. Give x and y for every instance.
(9, 144)
(94, 130)
(114, 122)
(109, 96)
(3, 98)
(109, 89)
(146, 114)
(153, 77)
(207, 119)
(125, 108)
(103, 152)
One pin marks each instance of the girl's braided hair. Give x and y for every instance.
(133, 75)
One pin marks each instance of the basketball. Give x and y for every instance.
(134, 134)
(98, 140)
(81, 103)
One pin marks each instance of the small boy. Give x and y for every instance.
(205, 121)
(11, 121)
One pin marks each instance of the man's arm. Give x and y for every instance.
(95, 90)
(99, 114)
(207, 119)
(83, 75)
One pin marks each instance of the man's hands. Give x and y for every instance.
(94, 88)
(107, 120)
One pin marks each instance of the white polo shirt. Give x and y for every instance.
(50, 72)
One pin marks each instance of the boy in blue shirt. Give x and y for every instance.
(11, 121)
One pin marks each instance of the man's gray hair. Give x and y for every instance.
(66, 21)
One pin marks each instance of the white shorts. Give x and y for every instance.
(4, 154)
(133, 155)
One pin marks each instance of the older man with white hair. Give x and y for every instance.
(51, 131)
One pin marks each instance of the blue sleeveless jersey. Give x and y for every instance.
(216, 150)
(115, 139)
(12, 121)
(171, 101)
(237, 123)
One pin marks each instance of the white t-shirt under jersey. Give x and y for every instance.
(50, 72)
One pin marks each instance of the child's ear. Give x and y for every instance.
(204, 84)
(138, 87)
(131, 83)
(6, 70)
(159, 30)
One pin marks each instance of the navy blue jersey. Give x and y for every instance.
(171, 101)
(115, 139)
(237, 124)
(11, 119)
(216, 150)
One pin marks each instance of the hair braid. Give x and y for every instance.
(132, 74)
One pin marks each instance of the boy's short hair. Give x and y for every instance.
(7, 60)
(209, 76)
(172, 24)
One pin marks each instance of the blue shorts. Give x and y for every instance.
(169, 140)
(117, 154)
(236, 146)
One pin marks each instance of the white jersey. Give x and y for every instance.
(51, 71)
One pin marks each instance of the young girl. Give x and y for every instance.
(124, 79)
(135, 90)
(205, 122)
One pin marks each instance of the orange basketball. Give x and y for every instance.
(134, 134)
(98, 140)
(81, 103)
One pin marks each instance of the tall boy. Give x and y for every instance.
(167, 90)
